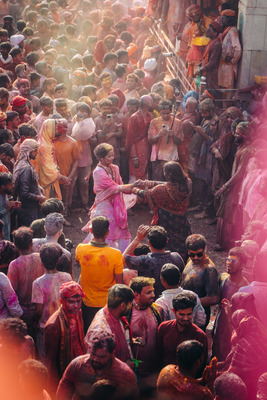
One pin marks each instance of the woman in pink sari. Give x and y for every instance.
(109, 202)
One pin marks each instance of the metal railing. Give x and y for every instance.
(175, 65)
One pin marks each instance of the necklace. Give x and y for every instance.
(109, 172)
(138, 307)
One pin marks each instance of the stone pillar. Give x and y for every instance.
(252, 25)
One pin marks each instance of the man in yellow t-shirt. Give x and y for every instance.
(101, 268)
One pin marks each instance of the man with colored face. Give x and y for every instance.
(24, 89)
(4, 100)
(229, 283)
(111, 318)
(106, 86)
(83, 372)
(131, 85)
(47, 105)
(200, 274)
(174, 332)
(19, 105)
(63, 332)
(144, 318)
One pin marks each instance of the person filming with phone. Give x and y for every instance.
(164, 135)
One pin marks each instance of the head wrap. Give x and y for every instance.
(8, 18)
(193, 11)
(191, 93)
(228, 13)
(150, 65)
(260, 80)
(121, 97)
(70, 289)
(79, 73)
(243, 128)
(132, 48)
(23, 159)
(18, 101)
(217, 27)
(15, 40)
(234, 112)
(206, 105)
(2, 116)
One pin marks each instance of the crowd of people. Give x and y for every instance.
(90, 119)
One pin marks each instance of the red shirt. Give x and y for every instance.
(169, 338)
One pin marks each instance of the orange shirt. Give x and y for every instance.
(99, 264)
(66, 153)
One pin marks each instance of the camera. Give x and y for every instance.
(164, 126)
(109, 116)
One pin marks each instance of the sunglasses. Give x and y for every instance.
(199, 254)
(231, 260)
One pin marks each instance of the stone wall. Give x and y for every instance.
(252, 24)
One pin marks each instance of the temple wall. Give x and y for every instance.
(252, 25)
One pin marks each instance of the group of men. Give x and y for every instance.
(123, 339)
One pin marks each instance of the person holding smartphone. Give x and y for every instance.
(164, 134)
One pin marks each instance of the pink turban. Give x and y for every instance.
(70, 289)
